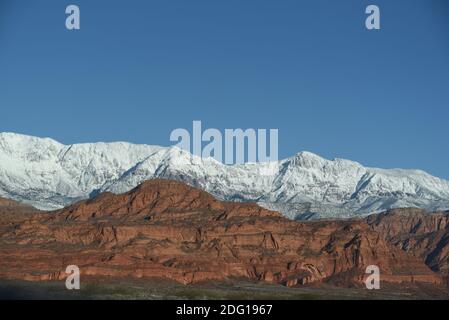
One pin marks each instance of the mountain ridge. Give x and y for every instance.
(49, 175)
(167, 230)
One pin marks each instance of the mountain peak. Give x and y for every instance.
(154, 198)
(18, 137)
(308, 155)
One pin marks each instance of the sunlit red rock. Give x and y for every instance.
(166, 229)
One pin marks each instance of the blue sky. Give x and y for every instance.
(139, 69)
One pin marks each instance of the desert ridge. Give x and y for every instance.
(165, 229)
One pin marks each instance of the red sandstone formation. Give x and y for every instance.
(419, 233)
(166, 229)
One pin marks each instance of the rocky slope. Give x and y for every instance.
(415, 231)
(50, 175)
(166, 229)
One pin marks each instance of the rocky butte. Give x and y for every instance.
(165, 229)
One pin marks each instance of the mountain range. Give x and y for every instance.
(49, 175)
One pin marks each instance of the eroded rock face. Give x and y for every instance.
(166, 229)
(419, 233)
(14, 212)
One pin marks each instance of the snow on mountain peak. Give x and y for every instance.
(44, 173)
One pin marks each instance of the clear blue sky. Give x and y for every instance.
(138, 69)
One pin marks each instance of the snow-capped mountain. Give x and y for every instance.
(50, 175)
